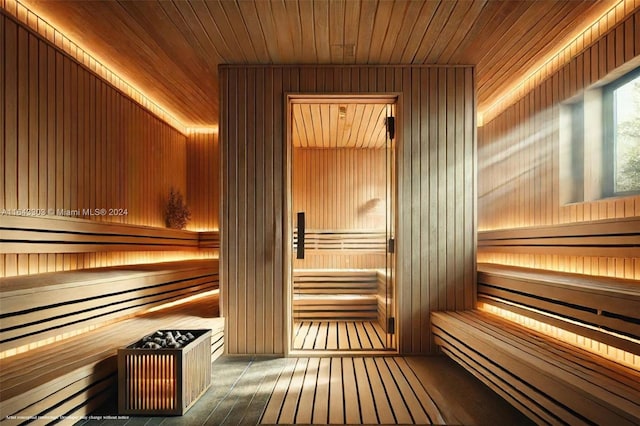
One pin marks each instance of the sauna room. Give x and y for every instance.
(234, 212)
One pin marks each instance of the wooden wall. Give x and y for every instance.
(436, 193)
(71, 141)
(519, 172)
(340, 188)
(203, 181)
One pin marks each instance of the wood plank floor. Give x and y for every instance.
(338, 335)
(248, 391)
(380, 390)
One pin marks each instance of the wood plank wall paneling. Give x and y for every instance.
(50, 35)
(436, 193)
(73, 141)
(518, 160)
(599, 23)
(332, 260)
(203, 178)
(340, 188)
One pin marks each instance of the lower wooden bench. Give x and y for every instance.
(73, 377)
(335, 294)
(550, 381)
(335, 307)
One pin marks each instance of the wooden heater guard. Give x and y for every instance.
(164, 381)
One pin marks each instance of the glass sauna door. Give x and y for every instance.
(342, 202)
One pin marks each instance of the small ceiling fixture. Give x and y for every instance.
(342, 111)
(348, 51)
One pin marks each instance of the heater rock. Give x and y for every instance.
(163, 339)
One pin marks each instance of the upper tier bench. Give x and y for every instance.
(74, 375)
(549, 380)
(35, 308)
(55, 234)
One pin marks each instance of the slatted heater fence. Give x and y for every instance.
(150, 383)
(164, 381)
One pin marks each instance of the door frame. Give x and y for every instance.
(331, 98)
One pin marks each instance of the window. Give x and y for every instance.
(621, 107)
(600, 142)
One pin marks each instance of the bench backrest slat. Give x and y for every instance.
(601, 308)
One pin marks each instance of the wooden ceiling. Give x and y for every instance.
(170, 49)
(339, 125)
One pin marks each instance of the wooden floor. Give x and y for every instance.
(380, 390)
(338, 335)
(250, 391)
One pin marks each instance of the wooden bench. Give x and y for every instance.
(342, 249)
(39, 307)
(45, 372)
(53, 234)
(366, 241)
(601, 308)
(550, 380)
(335, 294)
(598, 238)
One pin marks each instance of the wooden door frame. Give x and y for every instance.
(330, 98)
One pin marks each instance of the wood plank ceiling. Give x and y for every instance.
(171, 49)
(339, 125)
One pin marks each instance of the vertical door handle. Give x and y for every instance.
(300, 246)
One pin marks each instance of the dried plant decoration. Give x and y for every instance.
(177, 213)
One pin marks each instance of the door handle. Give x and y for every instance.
(300, 246)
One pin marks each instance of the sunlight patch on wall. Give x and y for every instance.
(508, 164)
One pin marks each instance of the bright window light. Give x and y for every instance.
(626, 136)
